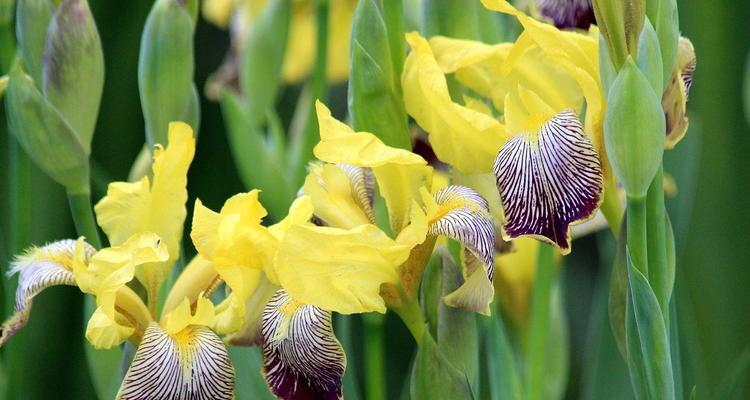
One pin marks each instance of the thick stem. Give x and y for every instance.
(83, 217)
(374, 356)
(537, 351)
(637, 234)
(659, 276)
(407, 308)
(20, 237)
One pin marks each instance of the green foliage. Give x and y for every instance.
(32, 19)
(375, 101)
(649, 358)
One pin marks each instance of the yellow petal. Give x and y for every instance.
(460, 136)
(333, 197)
(218, 12)
(399, 173)
(159, 207)
(239, 248)
(103, 331)
(106, 273)
(181, 317)
(339, 270)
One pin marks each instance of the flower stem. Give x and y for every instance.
(637, 234)
(659, 276)
(83, 217)
(374, 356)
(20, 237)
(538, 344)
(407, 308)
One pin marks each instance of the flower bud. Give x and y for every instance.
(165, 69)
(634, 129)
(45, 135)
(73, 68)
(620, 23)
(32, 19)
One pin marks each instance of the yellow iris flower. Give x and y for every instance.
(180, 352)
(519, 121)
(301, 46)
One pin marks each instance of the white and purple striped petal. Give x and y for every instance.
(301, 357)
(39, 268)
(548, 180)
(468, 221)
(191, 364)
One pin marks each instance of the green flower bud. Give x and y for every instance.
(73, 68)
(32, 19)
(663, 14)
(620, 23)
(375, 101)
(649, 57)
(45, 135)
(165, 69)
(634, 129)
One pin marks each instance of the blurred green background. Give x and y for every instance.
(711, 213)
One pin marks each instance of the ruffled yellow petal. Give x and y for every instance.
(333, 198)
(159, 207)
(106, 273)
(181, 317)
(460, 136)
(399, 173)
(577, 53)
(239, 248)
(339, 270)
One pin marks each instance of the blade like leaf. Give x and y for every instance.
(649, 357)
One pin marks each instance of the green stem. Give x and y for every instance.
(20, 237)
(410, 313)
(637, 234)
(302, 149)
(659, 276)
(374, 356)
(83, 217)
(537, 351)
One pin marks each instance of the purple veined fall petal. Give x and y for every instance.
(301, 357)
(191, 364)
(466, 218)
(567, 14)
(39, 268)
(549, 181)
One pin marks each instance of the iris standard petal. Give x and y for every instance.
(159, 206)
(465, 138)
(190, 364)
(301, 357)
(548, 181)
(398, 172)
(39, 268)
(339, 200)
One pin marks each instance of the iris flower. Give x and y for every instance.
(329, 255)
(519, 119)
(301, 46)
(179, 354)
